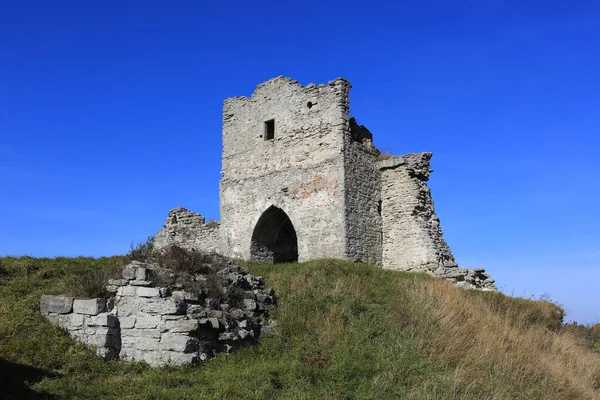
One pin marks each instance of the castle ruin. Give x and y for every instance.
(302, 180)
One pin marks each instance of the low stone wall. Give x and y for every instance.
(189, 230)
(161, 325)
(87, 321)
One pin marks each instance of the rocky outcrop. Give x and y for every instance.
(168, 324)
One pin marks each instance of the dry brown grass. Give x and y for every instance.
(499, 346)
(384, 156)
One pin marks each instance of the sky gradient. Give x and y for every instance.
(110, 115)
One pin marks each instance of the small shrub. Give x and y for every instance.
(3, 271)
(215, 287)
(384, 156)
(180, 259)
(142, 251)
(92, 284)
(182, 266)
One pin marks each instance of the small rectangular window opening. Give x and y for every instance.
(270, 129)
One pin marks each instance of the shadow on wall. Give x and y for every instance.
(14, 380)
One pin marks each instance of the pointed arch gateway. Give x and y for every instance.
(274, 238)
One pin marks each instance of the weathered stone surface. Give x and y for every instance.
(89, 307)
(412, 237)
(129, 272)
(127, 322)
(150, 333)
(179, 326)
(189, 230)
(56, 304)
(144, 343)
(250, 304)
(140, 274)
(128, 306)
(140, 283)
(147, 321)
(178, 342)
(103, 319)
(127, 291)
(148, 292)
(163, 306)
(75, 321)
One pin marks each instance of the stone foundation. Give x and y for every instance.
(162, 325)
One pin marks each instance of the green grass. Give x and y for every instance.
(345, 331)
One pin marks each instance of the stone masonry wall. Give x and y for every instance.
(189, 230)
(363, 196)
(163, 325)
(412, 236)
(299, 171)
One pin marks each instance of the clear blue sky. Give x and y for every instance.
(110, 115)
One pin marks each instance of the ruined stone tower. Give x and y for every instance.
(302, 180)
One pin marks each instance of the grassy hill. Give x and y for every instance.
(345, 331)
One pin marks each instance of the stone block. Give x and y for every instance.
(148, 292)
(176, 358)
(127, 306)
(140, 274)
(103, 340)
(129, 272)
(75, 321)
(163, 306)
(180, 326)
(196, 311)
(152, 358)
(127, 322)
(126, 291)
(137, 333)
(140, 283)
(89, 307)
(173, 317)
(148, 344)
(214, 322)
(56, 304)
(263, 298)
(249, 304)
(147, 321)
(103, 319)
(243, 334)
(177, 342)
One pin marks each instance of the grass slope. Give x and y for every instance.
(345, 331)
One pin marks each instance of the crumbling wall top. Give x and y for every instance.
(418, 164)
(284, 81)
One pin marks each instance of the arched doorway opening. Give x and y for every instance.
(274, 238)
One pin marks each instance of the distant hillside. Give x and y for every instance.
(345, 331)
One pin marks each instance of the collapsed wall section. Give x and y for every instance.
(189, 230)
(282, 148)
(164, 325)
(412, 236)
